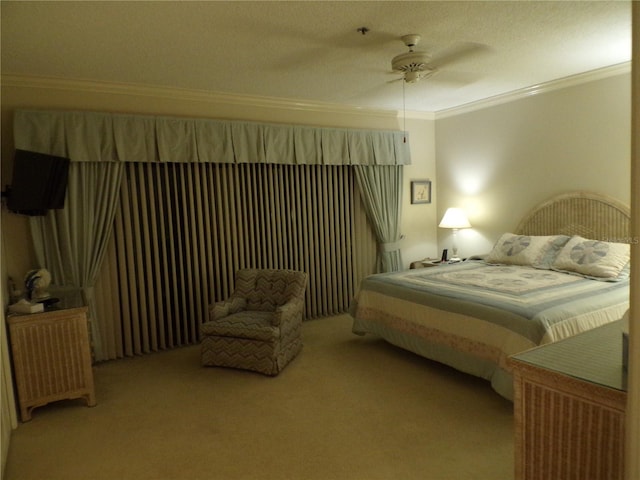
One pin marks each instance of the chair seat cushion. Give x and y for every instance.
(247, 324)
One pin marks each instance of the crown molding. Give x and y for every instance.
(192, 95)
(571, 81)
(175, 93)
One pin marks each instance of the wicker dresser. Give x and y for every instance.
(569, 404)
(51, 358)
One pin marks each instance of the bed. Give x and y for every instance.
(563, 270)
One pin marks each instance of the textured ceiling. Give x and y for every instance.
(311, 51)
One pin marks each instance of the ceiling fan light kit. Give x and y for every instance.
(415, 76)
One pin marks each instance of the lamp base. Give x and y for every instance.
(454, 258)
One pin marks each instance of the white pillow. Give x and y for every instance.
(593, 258)
(529, 250)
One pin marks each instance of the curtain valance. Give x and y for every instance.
(100, 137)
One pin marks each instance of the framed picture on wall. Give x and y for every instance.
(421, 191)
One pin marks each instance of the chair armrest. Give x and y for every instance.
(226, 307)
(289, 312)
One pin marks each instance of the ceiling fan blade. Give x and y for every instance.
(385, 90)
(317, 48)
(458, 52)
(301, 59)
(460, 79)
(371, 39)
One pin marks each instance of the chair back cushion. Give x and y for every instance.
(265, 290)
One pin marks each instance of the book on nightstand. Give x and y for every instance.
(25, 306)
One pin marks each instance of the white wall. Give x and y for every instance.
(499, 162)
(419, 220)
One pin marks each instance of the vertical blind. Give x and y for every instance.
(182, 230)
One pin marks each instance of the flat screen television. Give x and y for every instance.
(39, 183)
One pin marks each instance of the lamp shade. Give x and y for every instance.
(454, 218)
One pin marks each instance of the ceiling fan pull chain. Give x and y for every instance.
(404, 115)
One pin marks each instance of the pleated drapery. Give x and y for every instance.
(381, 191)
(71, 242)
(105, 137)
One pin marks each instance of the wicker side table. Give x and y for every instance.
(51, 358)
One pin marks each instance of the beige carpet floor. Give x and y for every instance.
(348, 407)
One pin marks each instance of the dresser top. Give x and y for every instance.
(594, 356)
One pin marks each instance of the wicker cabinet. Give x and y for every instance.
(569, 405)
(51, 358)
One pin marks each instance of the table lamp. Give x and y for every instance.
(455, 219)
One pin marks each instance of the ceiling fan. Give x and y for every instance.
(416, 65)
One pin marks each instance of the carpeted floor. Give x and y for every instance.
(348, 407)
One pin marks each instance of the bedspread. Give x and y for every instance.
(473, 315)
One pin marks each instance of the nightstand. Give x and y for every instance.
(51, 358)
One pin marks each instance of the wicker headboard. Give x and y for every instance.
(589, 215)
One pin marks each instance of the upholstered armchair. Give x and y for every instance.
(259, 327)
